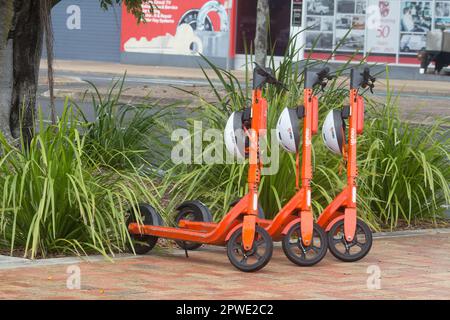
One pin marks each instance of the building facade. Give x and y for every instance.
(84, 31)
(388, 31)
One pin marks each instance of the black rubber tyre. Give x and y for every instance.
(256, 258)
(193, 214)
(350, 251)
(144, 243)
(302, 255)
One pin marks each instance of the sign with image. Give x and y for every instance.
(179, 27)
(320, 18)
(297, 7)
(442, 15)
(350, 25)
(382, 26)
(415, 22)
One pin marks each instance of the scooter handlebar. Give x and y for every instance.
(262, 75)
(362, 80)
(313, 78)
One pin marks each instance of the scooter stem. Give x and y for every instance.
(352, 169)
(258, 127)
(307, 223)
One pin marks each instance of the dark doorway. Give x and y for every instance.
(280, 17)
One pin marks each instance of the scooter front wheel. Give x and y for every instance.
(254, 259)
(300, 254)
(354, 250)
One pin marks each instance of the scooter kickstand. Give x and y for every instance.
(185, 249)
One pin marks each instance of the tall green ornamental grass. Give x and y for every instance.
(55, 199)
(403, 168)
(124, 135)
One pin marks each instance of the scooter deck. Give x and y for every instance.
(216, 235)
(275, 232)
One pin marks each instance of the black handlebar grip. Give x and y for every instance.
(313, 78)
(322, 74)
(261, 76)
(361, 80)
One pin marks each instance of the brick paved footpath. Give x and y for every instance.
(411, 267)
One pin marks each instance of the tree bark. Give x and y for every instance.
(6, 19)
(46, 17)
(19, 66)
(262, 28)
(6, 62)
(6, 83)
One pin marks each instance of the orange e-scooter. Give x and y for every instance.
(249, 246)
(349, 238)
(304, 242)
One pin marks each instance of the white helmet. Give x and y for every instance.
(288, 130)
(333, 131)
(234, 135)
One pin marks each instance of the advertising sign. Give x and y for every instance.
(180, 27)
(383, 26)
(350, 15)
(319, 24)
(416, 18)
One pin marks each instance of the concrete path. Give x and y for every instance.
(410, 266)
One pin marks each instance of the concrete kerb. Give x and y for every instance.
(7, 262)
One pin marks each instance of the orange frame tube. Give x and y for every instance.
(344, 205)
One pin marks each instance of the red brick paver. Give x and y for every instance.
(411, 268)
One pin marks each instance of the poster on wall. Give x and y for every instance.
(320, 7)
(415, 22)
(320, 18)
(319, 40)
(383, 26)
(442, 15)
(349, 41)
(350, 25)
(416, 16)
(180, 27)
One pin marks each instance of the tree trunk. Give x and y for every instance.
(19, 61)
(262, 27)
(46, 18)
(6, 83)
(6, 62)
(27, 50)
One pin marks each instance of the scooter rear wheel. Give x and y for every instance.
(352, 251)
(188, 213)
(302, 255)
(254, 259)
(144, 243)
